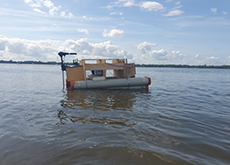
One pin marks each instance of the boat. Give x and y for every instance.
(123, 74)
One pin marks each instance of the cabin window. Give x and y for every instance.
(97, 72)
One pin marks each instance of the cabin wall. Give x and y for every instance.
(75, 73)
(126, 72)
(130, 71)
(119, 73)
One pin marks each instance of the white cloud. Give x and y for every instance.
(113, 33)
(83, 31)
(87, 18)
(224, 12)
(124, 3)
(95, 18)
(39, 11)
(62, 14)
(228, 60)
(213, 60)
(52, 9)
(178, 3)
(149, 5)
(46, 50)
(150, 56)
(161, 57)
(121, 3)
(168, 1)
(70, 15)
(48, 4)
(214, 10)
(109, 7)
(33, 3)
(106, 49)
(174, 13)
(128, 3)
(115, 13)
(145, 47)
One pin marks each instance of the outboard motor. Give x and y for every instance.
(63, 66)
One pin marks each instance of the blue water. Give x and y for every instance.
(184, 118)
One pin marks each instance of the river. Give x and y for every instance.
(184, 118)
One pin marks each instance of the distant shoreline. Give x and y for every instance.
(137, 65)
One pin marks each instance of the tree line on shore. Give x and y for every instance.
(137, 65)
(183, 66)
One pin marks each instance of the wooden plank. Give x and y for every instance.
(104, 66)
(74, 73)
(114, 61)
(130, 71)
(104, 71)
(83, 65)
(100, 59)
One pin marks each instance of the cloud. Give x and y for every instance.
(124, 3)
(107, 49)
(46, 50)
(228, 59)
(48, 4)
(145, 47)
(87, 18)
(95, 18)
(161, 57)
(127, 3)
(114, 13)
(70, 15)
(149, 5)
(213, 60)
(52, 9)
(33, 3)
(174, 13)
(214, 10)
(113, 33)
(150, 56)
(224, 12)
(39, 11)
(178, 3)
(83, 31)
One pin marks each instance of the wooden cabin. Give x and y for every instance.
(120, 68)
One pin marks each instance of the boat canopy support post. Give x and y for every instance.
(63, 66)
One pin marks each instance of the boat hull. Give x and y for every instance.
(134, 82)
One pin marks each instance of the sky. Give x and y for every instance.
(192, 32)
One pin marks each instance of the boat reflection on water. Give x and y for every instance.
(103, 100)
(111, 107)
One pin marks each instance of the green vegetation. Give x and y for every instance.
(183, 66)
(30, 62)
(137, 65)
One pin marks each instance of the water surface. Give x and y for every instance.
(183, 118)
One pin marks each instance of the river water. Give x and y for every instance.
(184, 118)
